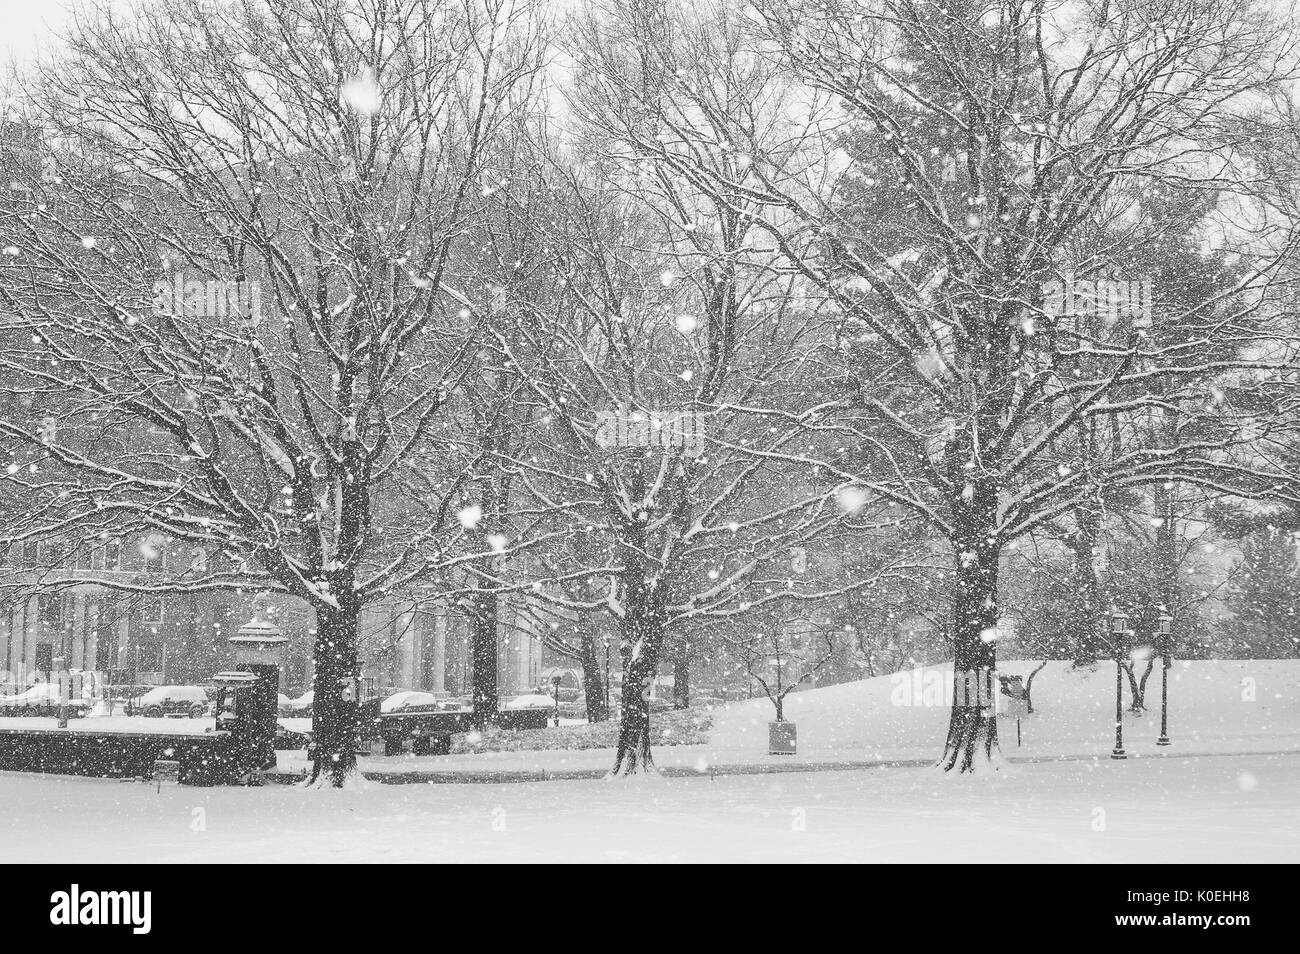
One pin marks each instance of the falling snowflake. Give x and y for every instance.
(851, 500)
(361, 93)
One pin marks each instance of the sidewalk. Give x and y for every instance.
(672, 761)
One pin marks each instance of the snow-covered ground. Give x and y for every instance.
(1227, 790)
(117, 723)
(1225, 808)
(1214, 706)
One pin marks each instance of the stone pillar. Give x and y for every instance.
(78, 632)
(31, 635)
(438, 669)
(406, 646)
(6, 632)
(91, 657)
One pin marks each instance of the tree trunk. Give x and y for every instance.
(336, 725)
(483, 657)
(642, 636)
(1138, 687)
(593, 681)
(972, 740)
(1166, 556)
(682, 677)
(1089, 645)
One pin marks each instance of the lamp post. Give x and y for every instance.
(555, 690)
(1165, 629)
(606, 640)
(1118, 631)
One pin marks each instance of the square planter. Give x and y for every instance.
(780, 738)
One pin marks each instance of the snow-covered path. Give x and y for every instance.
(1231, 808)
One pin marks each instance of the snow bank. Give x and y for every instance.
(1214, 707)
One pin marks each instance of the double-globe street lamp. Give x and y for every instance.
(1121, 634)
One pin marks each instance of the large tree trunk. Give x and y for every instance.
(483, 656)
(972, 740)
(336, 726)
(682, 677)
(1089, 645)
(593, 682)
(642, 636)
(1166, 554)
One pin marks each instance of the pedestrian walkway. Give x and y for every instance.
(672, 762)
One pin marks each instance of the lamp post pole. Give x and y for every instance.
(555, 690)
(1165, 630)
(1118, 631)
(607, 696)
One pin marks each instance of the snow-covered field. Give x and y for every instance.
(1227, 790)
(1214, 706)
(1225, 808)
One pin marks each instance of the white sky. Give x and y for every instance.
(24, 24)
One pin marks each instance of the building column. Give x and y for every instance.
(6, 632)
(78, 635)
(31, 635)
(90, 658)
(438, 652)
(406, 647)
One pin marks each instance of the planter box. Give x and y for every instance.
(780, 738)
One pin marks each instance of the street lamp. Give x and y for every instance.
(606, 639)
(1165, 629)
(1118, 631)
(555, 689)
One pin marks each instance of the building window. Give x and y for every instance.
(151, 609)
(112, 554)
(49, 610)
(153, 553)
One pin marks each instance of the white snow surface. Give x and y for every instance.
(1214, 706)
(118, 723)
(1228, 808)
(1228, 789)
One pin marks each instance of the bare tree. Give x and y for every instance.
(665, 354)
(231, 294)
(935, 165)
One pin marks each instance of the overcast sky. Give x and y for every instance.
(25, 22)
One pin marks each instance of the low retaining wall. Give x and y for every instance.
(203, 759)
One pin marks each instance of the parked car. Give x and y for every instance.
(532, 701)
(121, 698)
(301, 706)
(410, 700)
(287, 738)
(41, 699)
(174, 700)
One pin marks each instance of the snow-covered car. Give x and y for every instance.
(302, 705)
(409, 700)
(533, 701)
(41, 699)
(174, 700)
